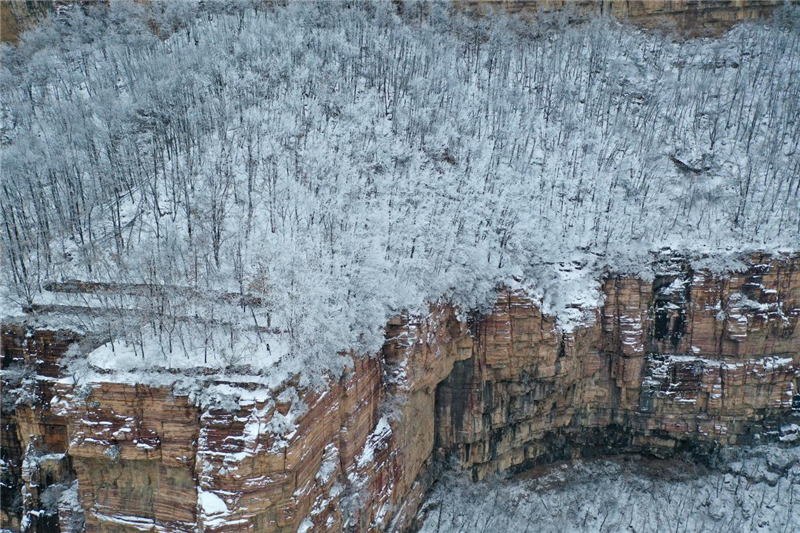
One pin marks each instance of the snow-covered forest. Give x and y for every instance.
(281, 180)
(749, 489)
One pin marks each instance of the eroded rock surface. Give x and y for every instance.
(688, 360)
(701, 18)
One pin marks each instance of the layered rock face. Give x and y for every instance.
(692, 18)
(147, 459)
(696, 18)
(688, 360)
(34, 438)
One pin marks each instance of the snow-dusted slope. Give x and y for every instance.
(338, 164)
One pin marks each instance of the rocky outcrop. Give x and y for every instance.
(687, 360)
(692, 18)
(34, 438)
(150, 460)
(17, 16)
(696, 18)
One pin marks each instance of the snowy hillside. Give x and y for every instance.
(272, 183)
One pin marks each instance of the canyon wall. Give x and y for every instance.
(696, 18)
(34, 440)
(17, 16)
(686, 361)
(692, 18)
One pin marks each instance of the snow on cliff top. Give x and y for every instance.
(339, 165)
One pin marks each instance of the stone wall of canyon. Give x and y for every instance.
(687, 361)
(695, 18)
(692, 18)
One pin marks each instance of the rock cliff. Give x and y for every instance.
(693, 18)
(685, 360)
(701, 18)
(688, 360)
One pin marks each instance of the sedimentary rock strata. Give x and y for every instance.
(701, 18)
(686, 360)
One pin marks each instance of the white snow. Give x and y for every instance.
(212, 509)
(330, 463)
(337, 177)
(211, 504)
(375, 442)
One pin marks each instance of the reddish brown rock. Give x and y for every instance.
(34, 438)
(689, 360)
(694, 18)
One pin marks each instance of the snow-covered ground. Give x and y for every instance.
(338, 164)
(750, 489)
